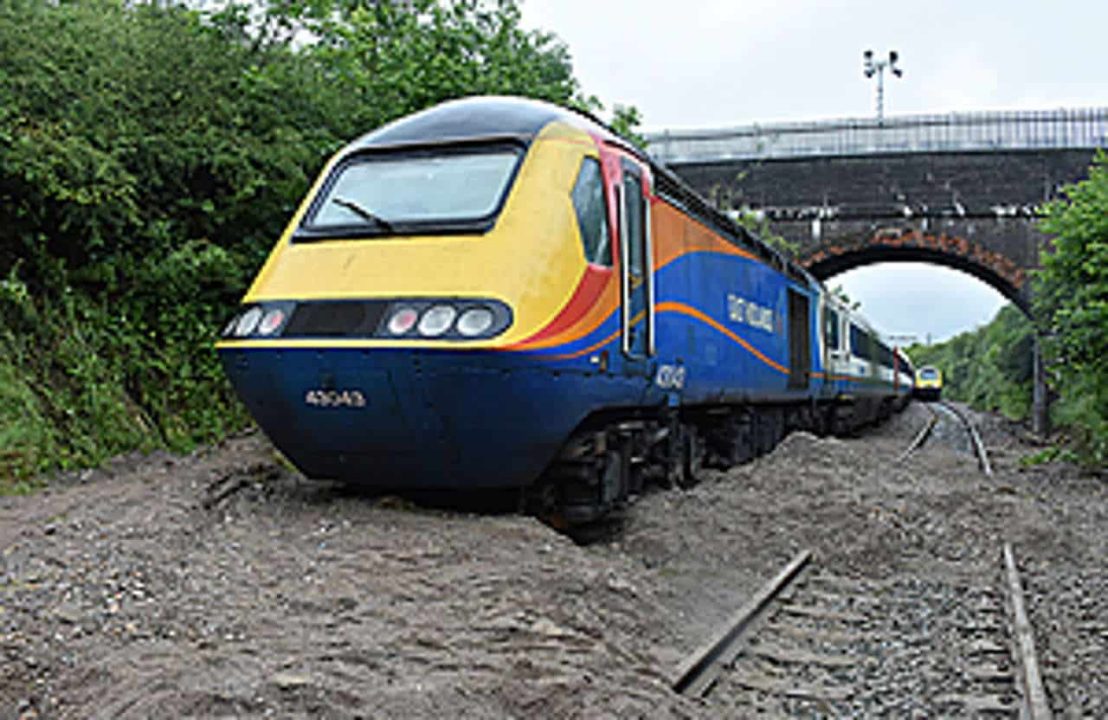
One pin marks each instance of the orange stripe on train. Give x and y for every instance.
(676, 235)
(683, 309)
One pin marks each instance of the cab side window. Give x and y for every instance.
(632, 188)
(592, 213)
(831, 325)
(860, 342)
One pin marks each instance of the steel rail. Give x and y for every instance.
(975, 439)
(1036, 706)
(698, 673)
(921, 436)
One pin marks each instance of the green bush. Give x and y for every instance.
(149, 157)
(68, 404)
(1071, 304)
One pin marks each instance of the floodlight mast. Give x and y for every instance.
(873, 67)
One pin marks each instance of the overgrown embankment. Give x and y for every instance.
(1071, 305)
(149, 157)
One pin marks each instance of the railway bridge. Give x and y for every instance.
(960, 190)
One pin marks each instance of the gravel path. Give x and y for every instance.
(222, 584)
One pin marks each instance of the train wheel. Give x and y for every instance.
(669, 455)
(731, 441)
(843, 421)
(768, 429)
(542, 501)
(825, 421)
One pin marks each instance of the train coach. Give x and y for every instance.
(498, 293)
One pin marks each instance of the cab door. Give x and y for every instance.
(636, 269)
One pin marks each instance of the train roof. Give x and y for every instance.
(486, 117)
(474, 118)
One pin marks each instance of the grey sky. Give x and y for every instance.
(718, 63)
(919, 299)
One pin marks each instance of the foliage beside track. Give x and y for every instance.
(989, 368)
(149, 157)
(1071, 308)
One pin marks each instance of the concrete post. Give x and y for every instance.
(1040, 400)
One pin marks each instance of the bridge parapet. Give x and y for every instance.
(955, 132)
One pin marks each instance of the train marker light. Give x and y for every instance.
(437, 320)
(403, 320)
(475, 321)
(271, 321)
(248, 322)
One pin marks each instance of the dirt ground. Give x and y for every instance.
(223, 584)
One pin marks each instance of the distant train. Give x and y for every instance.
(929, 383)
(500, 293)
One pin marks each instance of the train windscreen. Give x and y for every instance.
(381, 192)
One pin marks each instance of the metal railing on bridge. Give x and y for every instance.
(956, 132)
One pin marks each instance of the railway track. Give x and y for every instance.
(950, 412)
(814, 643)
(921, 437)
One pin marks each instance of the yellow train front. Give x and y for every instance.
(929, 383)
(496, 291)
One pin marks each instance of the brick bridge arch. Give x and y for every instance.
(912, 245)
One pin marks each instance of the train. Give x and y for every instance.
(929, 383)
(501, 294)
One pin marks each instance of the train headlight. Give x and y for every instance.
(248, 322)
(402, 320)
(474, 322)
(436, 320)
(271, 321)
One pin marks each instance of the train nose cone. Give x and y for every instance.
(338, 415)
(389, 419)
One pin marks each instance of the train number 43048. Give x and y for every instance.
(335, 398)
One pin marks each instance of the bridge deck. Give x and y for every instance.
(955, 132)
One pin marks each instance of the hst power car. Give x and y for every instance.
(501, 293)
(929, 383)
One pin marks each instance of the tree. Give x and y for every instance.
(839, 293)
(1071, 307)
(757, 223)
(626, 120)
(383, 60)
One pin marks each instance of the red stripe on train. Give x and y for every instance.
(588, 291)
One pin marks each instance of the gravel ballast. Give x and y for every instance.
(224, 584)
